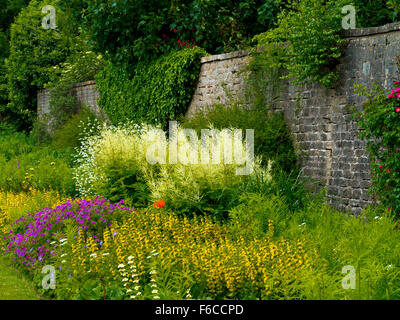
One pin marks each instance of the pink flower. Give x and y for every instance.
(390, 95)
(397, 110)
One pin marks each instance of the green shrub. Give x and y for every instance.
(83, 65)
(111, 164)
(8, 10)
(379, 123)
(114, 164)
(74, 130)
(291, 187)
(373, 13)
(34, 51)
(25, 165)
(272, 137)
(394, 4)
(15, 144)
(313, 45)
(160, 90)
(258, 215)
(130, 31)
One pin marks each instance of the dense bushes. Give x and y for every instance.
(82, 65)
(379, 122)
(373, 13)
(34, 51)
(115, 163)
(394, 4)
(272, 137)
(112, 164)
(25, 166)
(75, 129)
(313, 45)
(160, 90)
(130, 31)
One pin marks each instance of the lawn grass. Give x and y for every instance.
(14, 285)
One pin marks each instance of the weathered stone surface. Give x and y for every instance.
(323, 127)
(86, 94)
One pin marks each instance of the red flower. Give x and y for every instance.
(388, 170)
(381, 166)
(159, 204)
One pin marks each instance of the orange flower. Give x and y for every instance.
(159, 204)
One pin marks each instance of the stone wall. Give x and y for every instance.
(320, 122)
(321, 125)
(86, 94)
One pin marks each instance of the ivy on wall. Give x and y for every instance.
(159, 91)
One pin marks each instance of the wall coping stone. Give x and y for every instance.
(353, 33)
(225, 56)
(84, 84)
(364, 32)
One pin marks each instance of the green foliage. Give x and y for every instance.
(81, 66)
(272, 137)
(253, 217)
(3, 90)
(34, 51)
(291, 187)
(373, 13)
(160, 90)
(14, 284)
(394, 4)
(313, 46)
(26, 165)
(379, 122)
(129, 31)
(115, 164)
(112, 164)
(8, 10)
(369, 242)
(74, 130)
